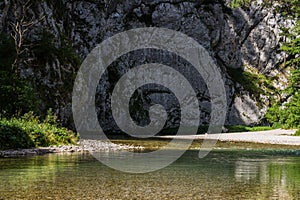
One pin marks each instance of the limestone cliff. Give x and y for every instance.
(65, 31)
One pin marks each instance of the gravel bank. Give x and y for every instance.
(83, 146)
(278, 136)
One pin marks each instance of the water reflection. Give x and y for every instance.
(221, 175)
(278, 177)
(249, 169)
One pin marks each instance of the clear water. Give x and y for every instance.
(223, 174)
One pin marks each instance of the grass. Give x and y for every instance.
(240, 128)
(28, 131)
(231, 129)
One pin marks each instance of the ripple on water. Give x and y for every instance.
(223, 174)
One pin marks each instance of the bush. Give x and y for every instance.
(28, 131)
(286, 116)
(12, 136)
(297, 132)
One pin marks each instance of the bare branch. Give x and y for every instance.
(19, 28)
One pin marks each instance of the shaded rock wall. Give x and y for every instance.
(235, 38)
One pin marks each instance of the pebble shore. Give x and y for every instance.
(277, 136)
(83, 146)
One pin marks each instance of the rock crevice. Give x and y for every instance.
(235, 38)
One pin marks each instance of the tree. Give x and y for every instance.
(17, 95)
(289, 114)
(20, 26)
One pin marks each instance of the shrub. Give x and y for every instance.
(12, 136)
(28, 131)
(288, 115)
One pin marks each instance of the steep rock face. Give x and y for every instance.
(235, 38)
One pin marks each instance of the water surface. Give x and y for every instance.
(223, 174)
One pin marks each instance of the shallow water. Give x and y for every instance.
(223, 174)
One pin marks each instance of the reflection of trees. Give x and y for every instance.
(246, 170)
(29, 171)
(221, 175)
(275, 177)
(286, 178)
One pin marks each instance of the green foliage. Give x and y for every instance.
(240, 128)
(292, 44)
(294, 82)
(12, 136)
(274, 114)
(256, 84)
(291, 114)
(28, 131)
(292, 47)
(66, 53)
(287, 8)
(51, 118)
(17, 95)
(288, 115)
(239, 3)
(47, 50)
(297, 132)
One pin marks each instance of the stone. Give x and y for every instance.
(233, 37)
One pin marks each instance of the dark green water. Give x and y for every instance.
(223, 174)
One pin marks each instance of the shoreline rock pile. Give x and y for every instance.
(83, 146)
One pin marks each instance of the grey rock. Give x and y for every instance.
(82, 146)
(234, 38)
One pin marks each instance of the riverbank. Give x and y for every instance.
(82, 146)
(277, 136)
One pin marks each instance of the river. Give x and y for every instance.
(223, 174)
